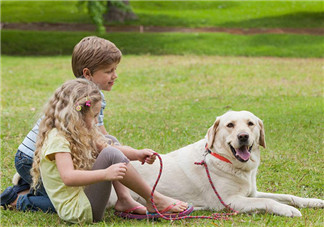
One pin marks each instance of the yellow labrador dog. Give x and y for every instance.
(233, 157)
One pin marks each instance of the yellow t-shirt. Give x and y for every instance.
(70, 203)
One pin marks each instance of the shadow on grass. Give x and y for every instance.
(222, 44)
(184, 5)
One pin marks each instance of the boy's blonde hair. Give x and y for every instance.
(62, 113)
(93, 53)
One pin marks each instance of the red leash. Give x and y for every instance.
(219, 216)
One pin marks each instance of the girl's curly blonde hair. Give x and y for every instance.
(63, 112)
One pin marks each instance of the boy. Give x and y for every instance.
(94, 59)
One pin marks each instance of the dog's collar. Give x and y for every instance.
(217, 155)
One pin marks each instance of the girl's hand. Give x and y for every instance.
(146, 155)
(116, 172)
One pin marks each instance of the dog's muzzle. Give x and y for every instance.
(242, 153)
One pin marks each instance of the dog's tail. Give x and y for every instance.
(16, 178)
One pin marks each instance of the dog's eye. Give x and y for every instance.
(230, 125)
(250, 123)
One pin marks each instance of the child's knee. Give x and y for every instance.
(112, 139)
(114, 155)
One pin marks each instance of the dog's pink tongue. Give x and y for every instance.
(243, 153)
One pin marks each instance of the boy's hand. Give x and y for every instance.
(146, 155)
(115, 172)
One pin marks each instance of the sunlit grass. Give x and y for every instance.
(166, 102)
(237, 14)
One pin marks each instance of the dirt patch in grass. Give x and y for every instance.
(133, 28)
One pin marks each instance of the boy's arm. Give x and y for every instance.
(143, 155)
(103, 129)
(73, 177)
(129, 152)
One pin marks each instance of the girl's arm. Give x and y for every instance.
(72, 177)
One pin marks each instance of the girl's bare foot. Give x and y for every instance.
(128, 204)
(162, 202)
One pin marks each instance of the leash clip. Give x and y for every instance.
(203, 162)
(205, 154)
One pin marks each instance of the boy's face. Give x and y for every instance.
(104, 77)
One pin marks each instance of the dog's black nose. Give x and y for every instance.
(243, 136)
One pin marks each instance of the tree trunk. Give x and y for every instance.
(115, 13)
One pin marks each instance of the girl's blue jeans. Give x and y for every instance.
(34, 200)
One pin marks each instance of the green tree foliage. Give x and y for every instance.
(97, 9)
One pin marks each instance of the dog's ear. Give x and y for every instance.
(211, 133)
(262, 135)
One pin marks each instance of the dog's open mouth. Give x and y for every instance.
(242, 154)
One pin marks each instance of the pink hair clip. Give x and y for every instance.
(88, 101)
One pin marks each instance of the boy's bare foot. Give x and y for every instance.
(14, 203)
(128, 204)
(162, 202)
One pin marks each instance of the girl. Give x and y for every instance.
(75, 162)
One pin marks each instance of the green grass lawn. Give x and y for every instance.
(166, 102)
(238, 14)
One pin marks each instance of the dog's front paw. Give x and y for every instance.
(286, 210)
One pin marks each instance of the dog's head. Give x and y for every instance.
(236, 135)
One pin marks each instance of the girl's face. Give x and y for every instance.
(91, 117)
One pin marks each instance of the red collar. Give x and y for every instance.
(217, 155)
